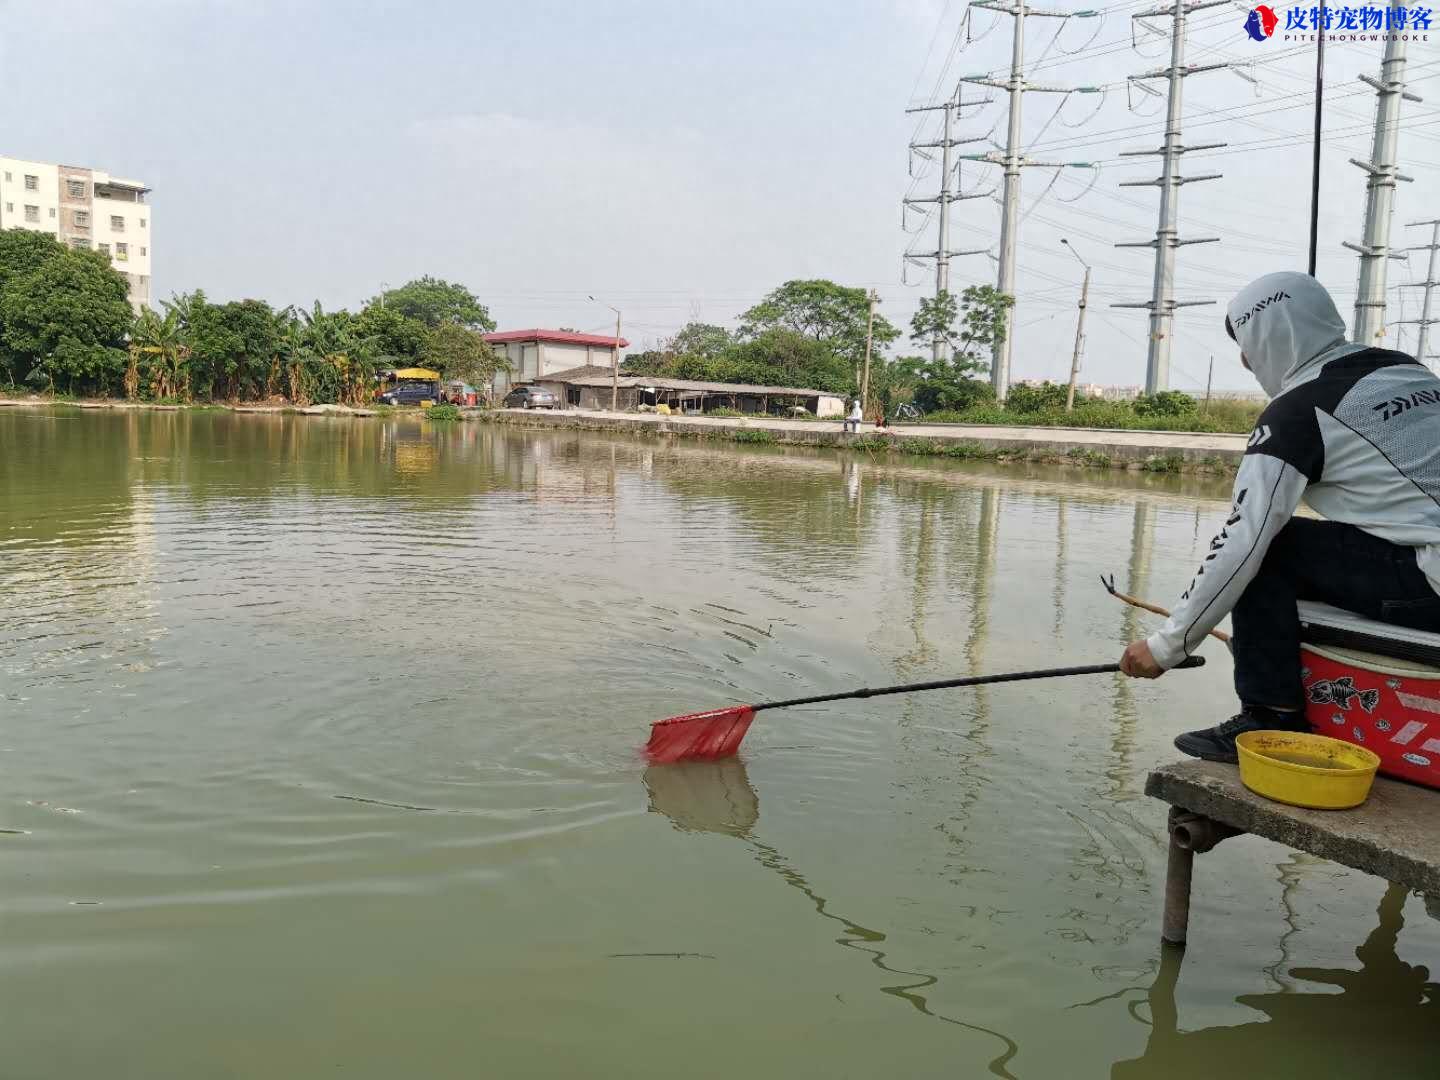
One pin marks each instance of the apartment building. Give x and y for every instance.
(85, 208)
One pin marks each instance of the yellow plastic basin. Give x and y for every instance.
(1313, 771)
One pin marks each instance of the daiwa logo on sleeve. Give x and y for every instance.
(1244, 317)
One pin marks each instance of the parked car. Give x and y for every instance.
(531, 397)
(412, 393)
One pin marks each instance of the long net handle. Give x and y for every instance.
(976, 680)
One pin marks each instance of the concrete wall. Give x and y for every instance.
(129, 242)
(827, 405)
(529, 360)
(81, 220)
(14, 196)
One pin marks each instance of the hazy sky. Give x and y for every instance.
(680, 159)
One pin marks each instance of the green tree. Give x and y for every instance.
(432, 301)
(834, 315)
(655, 363)
(395, 335)
(1037, 399)
(22, 251)
(774, 357)
(700, 339)
(935, 320)
(159, 356)
(66, 320)
(462, 354)
(969, 330)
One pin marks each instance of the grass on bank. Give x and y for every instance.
(1237, 417)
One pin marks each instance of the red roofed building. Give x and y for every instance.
(533, 354)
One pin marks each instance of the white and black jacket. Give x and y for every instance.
(1353, 431)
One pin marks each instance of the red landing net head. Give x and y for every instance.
(702, 736)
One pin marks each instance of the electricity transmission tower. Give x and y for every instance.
(1162, 302)
(1429, 284)
(1013, 159)
(942, 253)
(1383, 173)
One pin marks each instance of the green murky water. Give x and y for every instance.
(317, 758)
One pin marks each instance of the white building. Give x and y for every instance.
(533, 353)
(85, 208)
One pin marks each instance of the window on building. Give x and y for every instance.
(76, 188)
(52, 211)
(80, 243)
(144, 252)
(9, 207)
(117, 223)
(9, 178)
(104, 249)
(32, 183)
(122, 252)
(82, 219)
(32, 213)
(142, 223)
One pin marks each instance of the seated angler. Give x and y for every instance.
(1352, 431)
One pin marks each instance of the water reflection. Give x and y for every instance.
(1380, 1020)
(717, 797)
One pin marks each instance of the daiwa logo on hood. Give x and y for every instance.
(1245, 316)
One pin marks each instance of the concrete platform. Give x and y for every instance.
(1395, 834)
(1119, 448)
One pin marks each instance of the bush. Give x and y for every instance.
(724, 410)
(444, 412)
(752, 435)
(946, 391)
(1034, 399)
(1165, 403)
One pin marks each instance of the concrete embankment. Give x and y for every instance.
(1154, 451)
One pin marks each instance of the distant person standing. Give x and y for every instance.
(852, 422)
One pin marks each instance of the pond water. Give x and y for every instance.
(318, 757)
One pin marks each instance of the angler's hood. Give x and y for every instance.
(1284, 323)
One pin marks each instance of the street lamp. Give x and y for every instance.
(614, 359)
(1079, 327)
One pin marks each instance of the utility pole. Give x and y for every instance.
(1079, 328)
(1429, 284)
(1383, 173)
(1209, 377)
(1162, 302)
(1013, 159)
(869, 334)
(942, 253)
(614, 360)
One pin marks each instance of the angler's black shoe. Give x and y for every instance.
(1218, 743)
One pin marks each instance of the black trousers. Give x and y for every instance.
(1335, 564)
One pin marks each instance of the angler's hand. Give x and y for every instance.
(1138, 663)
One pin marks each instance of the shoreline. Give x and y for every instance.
(1095, 448)
(1092, 448)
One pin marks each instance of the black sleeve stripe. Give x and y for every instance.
(1388, 459)
(1259, 535)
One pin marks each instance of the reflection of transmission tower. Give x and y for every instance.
(1013, 159)
(942, 253)
(1162, 302)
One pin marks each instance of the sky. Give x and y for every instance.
(679, 160)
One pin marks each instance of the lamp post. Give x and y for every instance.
(1079, 327)
(614, 360)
